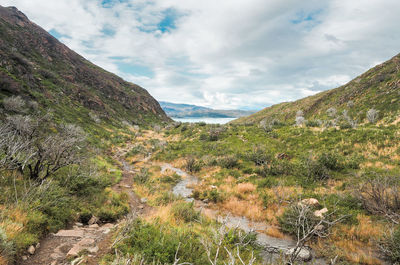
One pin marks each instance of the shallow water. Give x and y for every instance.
(272, 246)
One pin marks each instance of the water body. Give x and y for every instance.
(272, 246)
(206, 120)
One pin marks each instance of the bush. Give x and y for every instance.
(6, 247)
(185, 212)
(14, 104)
(166, 198)
(142, 177)
(330, 161)
(229, 161)
(159, 243)
(390, 245)
(192, 165)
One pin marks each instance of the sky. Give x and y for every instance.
(230, 54)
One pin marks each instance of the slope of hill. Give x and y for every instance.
(378, 88)
(36, 66)
(185, 110)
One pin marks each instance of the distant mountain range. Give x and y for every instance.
(175, 110)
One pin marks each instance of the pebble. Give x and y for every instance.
(31, 250)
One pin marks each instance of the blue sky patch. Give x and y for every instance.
(303, 16)
(135, 69)
(56, 34)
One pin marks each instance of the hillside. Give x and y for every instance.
(186, 110)
(378, 88)
(37, 67)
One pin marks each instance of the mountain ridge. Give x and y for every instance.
(377, 88)
(177, 110)
(35, 65)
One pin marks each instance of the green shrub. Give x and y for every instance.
(185, 212)
(23, 240)
(142, 177)
(228, 161)
(330, 161)
(6, 247)
(192, 165)
(159, 243)
(390, 245)
(175, 178)
(166, 198)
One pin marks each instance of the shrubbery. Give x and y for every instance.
(185, 212)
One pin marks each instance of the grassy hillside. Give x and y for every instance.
(378, 88)
(36, 66)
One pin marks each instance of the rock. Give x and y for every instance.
(310, 202)
(24, 257)
(70, 233)
(93, 250)
(320, 213)
(213, 186)
(78, 224)
(93, 220)
(143, 200)
(31, 250)
(303, 255)
(319, 227)
(107, 226)
(206, 200)
(37, 245)
(106, 231)
(55, 256)
(140, 206)
(54, 263)
(94, 226)
(86, 242)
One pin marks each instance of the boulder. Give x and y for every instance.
(320, 213)
(310, 202)
(93, 220)
(143, 200)
(304, 254)
(70, 233)
(94, 226)
(31, 250)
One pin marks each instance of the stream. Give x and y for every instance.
(273, 247)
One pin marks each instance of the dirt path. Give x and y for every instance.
(64, 247)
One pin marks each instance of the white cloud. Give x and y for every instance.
(228, 54)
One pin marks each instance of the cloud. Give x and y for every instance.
(226, 54)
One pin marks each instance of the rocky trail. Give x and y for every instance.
(94, 239)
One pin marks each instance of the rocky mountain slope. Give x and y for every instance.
(378, 88)
(193, 111)
(37, 67)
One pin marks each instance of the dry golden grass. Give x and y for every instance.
(243, 188)
(274, 232)
(250, 208)
(3, 260)
(162, 214)
(274, 211)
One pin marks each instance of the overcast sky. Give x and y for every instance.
(226, 54)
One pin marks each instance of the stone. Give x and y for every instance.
(303, 255)
(93, 250)
(55, 256)
(107, 226)
(143, 200)
(86, 242)
(106, 231)
(206, 200)
(310, 202)
(54, 263)
(70, 233)
(24, 257)
(320, 213)
(140, 206)
(37, 245)
(78, 224)
(94, 226)
(319, 227)
(93, 220)
(31, 250)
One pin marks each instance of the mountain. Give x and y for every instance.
(37, 67)
(192, 111)
(378, 88)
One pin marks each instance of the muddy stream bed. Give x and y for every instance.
(272, 247)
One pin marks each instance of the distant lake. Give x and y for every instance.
(206, 120)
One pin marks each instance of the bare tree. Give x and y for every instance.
(306, 225)
(381, 195)
(27, 145)
(372, 115)
(215, 245)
